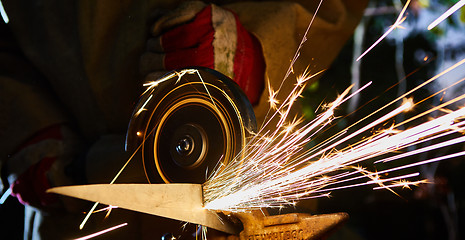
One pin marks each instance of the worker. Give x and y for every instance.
(72, 72)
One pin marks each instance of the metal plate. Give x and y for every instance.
(188, 123)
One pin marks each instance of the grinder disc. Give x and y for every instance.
(188, 123)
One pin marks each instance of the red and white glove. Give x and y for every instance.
(40, 164)
(209, 36)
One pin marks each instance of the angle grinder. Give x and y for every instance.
(189, 123)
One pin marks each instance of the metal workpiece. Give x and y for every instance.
(258, 225)
(182, 202)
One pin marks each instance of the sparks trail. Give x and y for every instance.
(446, 14)
(397, 24)
(102, 232)
(277, 170)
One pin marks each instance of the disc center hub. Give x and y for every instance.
(188, 146)
(185, 146)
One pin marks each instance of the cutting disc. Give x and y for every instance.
(187, 123)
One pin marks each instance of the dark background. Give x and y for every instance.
(430, 211)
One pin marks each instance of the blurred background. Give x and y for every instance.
(407, 57)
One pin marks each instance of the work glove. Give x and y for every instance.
(43, 162)
(57, 157)
(196, 34)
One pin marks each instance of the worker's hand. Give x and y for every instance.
(41, 163)
(209, 36)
